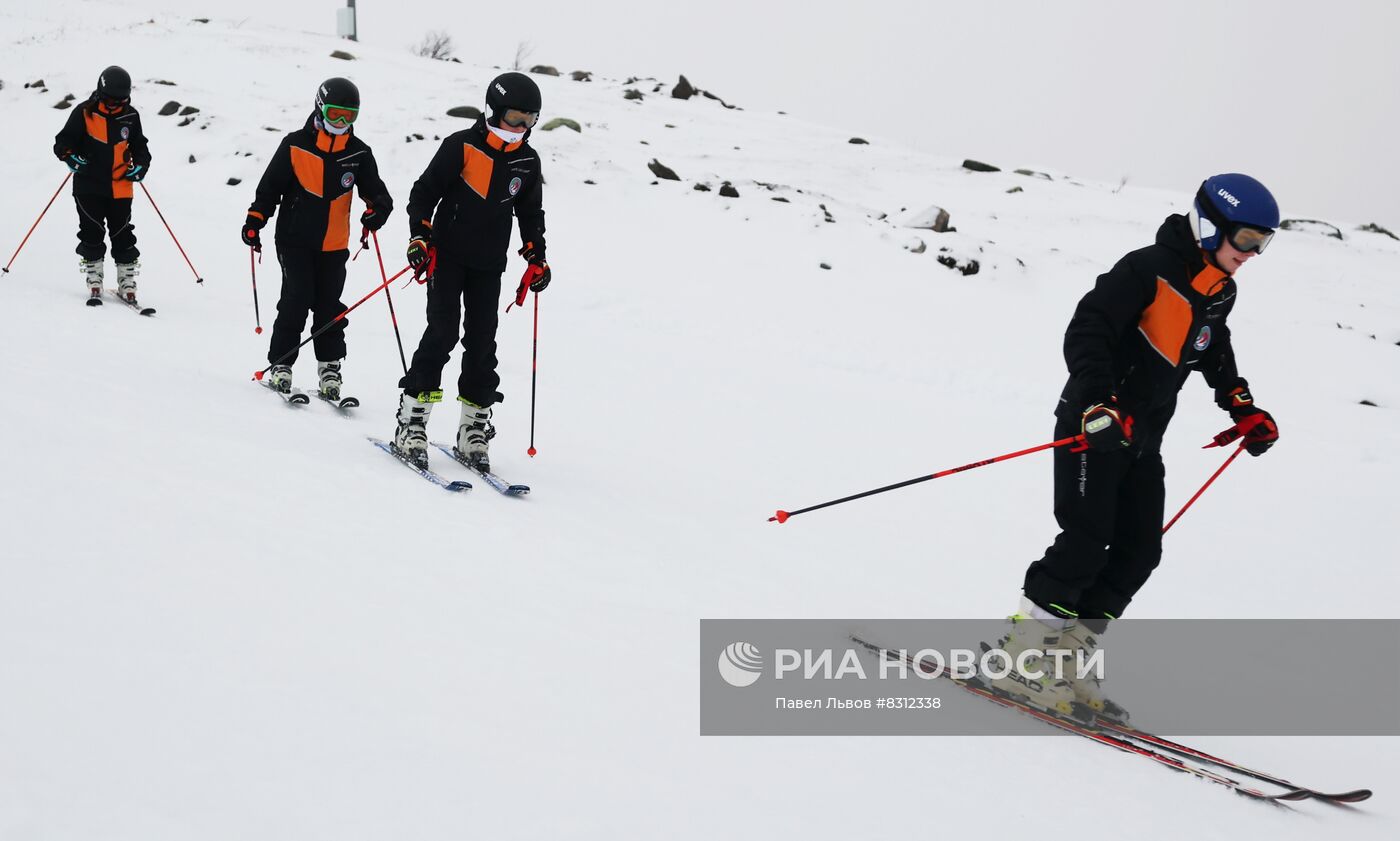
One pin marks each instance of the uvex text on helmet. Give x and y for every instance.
(512, 91)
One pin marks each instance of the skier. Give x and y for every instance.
(459, 221)
(103, 145)
(312, 175)
(1157, 315)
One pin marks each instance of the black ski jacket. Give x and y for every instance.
(109, 139)
(464, 200)
(1148, 322)
(313, 175)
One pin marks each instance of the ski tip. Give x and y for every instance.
(531, 452)
(258, 375)
(780, 517)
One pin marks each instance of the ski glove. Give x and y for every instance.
(76, 163)
(539, 276)
(1258, 429)
(1254, 425)
(421, 258)
(533, 254)
(1106, 427)
(251, 226)
(373, 220)
(134, 172)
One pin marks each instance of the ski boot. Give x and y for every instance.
(281, 378)
(330, 379)
(411, 436)
(1037, 683)
(126, 280)
(474, 430)
(1082, 639)
(92, 274)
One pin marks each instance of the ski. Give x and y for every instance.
(134, 305)
(441, 482)
(1354, 796)
(94, 300)
(295, 397)
(342, 403)
(491, 478)
(1089, 731)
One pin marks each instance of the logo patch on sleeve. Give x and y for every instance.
(1203, 338)
(126, 132)
(347, 179)
(515, 185)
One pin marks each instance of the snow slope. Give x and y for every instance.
(220, 618)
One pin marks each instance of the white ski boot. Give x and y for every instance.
(126, 280)
(92, 275)
(411, 436)
(1083, 641)
(330, 379)
(474, 430)
(1034, 679)
(281, 378)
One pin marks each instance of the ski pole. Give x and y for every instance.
(782, 516)
(534, 373)
(197, 278)
(1212, 478)
(390, 298)
(36, 223)
(257, 314)
(259, 375)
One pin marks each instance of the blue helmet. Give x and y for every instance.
(1225, 203)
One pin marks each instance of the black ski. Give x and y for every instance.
(295, 397)
(1089, 731)
(342, 403)
(445, 484)
(491, 478)
(1354, 796)
(134, 305)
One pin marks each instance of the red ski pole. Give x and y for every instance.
(257, 313)
(782, 516)
(1212, 478)
(6, 269)
(258, 375)
(197, 278)
(390, 298)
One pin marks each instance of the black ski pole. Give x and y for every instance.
(257, 313)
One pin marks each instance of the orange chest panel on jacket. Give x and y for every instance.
(97, 129)
(328, 183)
(478, 166)
(1168, 321)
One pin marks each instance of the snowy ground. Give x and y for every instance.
(220, 618)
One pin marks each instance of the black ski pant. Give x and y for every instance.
(312, 282)
(1109, 505)
(473, 296)
(99, 216)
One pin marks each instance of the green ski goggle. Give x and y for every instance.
(339, 114)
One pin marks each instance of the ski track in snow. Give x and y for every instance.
(221, 618)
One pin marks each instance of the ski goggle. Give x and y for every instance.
(520, 119)
(107, 99)
(339, 114)
(1250, 240)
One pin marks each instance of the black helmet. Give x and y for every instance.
(115, 84)
(337, 91)
(512, 91)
